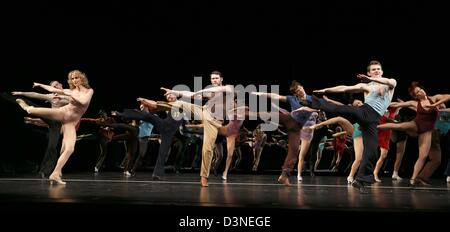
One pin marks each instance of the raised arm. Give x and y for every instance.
(439, 99)
(181, 93)
(270, 95)
(339, 134)
(216, 89)
(150, 104)
(408, 104)
(444, 110)
(91, 120)
(382, 80)
(358, 88)
(49, 88)
(194, 126)
(40, 96)
(305, 109)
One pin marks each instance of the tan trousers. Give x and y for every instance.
(210, 131)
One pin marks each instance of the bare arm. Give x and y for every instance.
(305, 109)
(49, 88)
(440, 98)
(339, 134)
(34, 95)
(444, 110)
(194, 126)
(83, 99)
(270, 95)
(397, 110)
(358, 88)
(216, 89)
(332, 101)
(180, 93)
(382, 80)
(408, 104)
(150, 104)
(91, 120)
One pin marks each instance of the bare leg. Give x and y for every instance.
(304, 146)
(380, 162)
(398, 159)
(260, 141)
(50, 113)
(344, 123)
(319, 157)
(424, 148)
(434, 158)
(410, 126)
(339, 155)
(69, 139)
(333, 161)
(359, 147)
(230, 151)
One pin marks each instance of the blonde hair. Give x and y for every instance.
(81, 75)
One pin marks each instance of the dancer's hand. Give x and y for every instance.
(168, 91)
(363, 78)
(320, 91)
(305, 109)
(35, 84)
(16, 93)
(257, 93)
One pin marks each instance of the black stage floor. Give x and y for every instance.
(181, 195)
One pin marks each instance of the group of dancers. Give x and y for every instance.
(369, 122)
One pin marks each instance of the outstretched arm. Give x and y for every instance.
(358, 88)
(91, 120)
(444, 110)
(180, 93)
(216, 89)
(339, 134)
(80, 100)
(382, 80)
(194, 125)
(305, 109)
(270, 95)
(150, 104)
(49, 88)
(439, 99)
(34, 95)
(408, 104)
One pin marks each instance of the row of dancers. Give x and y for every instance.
(220, 116)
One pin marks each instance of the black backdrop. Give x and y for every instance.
(131, 48)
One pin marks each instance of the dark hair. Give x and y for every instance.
(294, 85)
(373, 62)
(412, 87)
(217, 73)
(102, 113)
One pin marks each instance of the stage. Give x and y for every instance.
(179, 196)
(327, 193)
